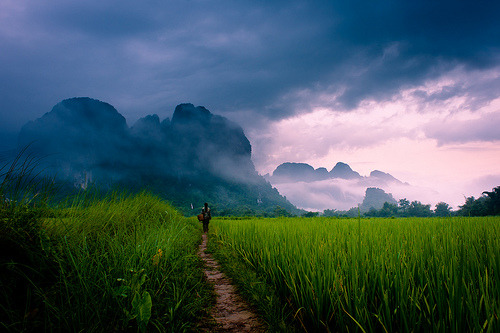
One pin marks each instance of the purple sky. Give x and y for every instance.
(409, 88)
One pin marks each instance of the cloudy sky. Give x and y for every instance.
(407, 87)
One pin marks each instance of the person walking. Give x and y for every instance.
(206, 217)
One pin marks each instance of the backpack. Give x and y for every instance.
(206, 214)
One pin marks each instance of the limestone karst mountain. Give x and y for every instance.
(303, 172)
(195, 157)
(341, 188)
(344, 171)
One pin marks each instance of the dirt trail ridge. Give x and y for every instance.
(230, 313)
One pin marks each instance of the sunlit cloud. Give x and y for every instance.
(436, 141)
(475, 127)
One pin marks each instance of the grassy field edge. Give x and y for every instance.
(410, 274)
(277, 314)
(116, 264)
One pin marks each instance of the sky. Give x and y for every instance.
(411, 88)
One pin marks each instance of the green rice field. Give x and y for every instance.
(365, 275)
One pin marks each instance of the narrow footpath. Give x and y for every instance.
(230, 313)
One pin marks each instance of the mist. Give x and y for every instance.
(83, 135)
(343, 188)
(194, 157)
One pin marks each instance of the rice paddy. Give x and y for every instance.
(389, 275)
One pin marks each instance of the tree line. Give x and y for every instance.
(487, 204)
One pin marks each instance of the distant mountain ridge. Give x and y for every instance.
(341, 188)
(303, 172)
(195, 157)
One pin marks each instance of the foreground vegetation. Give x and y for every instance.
(117, 263)
(413, 274)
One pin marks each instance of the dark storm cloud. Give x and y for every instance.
(268, 58)
(103, 20)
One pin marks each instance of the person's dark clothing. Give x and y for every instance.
(206, 218)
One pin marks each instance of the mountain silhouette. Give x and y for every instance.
(296, 172)
(341, 188)
(375, 198)
(303, 172)
(344, 171)
(195, 157)
(384, 177)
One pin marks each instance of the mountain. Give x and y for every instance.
(150, 128)
(375, 198)
(342, 188)
(207, 142)
(195, 157)
(76, 136)
(376, 174)
(344, 171)
(287, 172)
(303, 172)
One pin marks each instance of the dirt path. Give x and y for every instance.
(230, 313)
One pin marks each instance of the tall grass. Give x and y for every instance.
(24, 195)
(94, 263)
(377, 274)
(21, 180)
(124, 262)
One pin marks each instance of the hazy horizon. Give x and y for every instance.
(320, 195)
